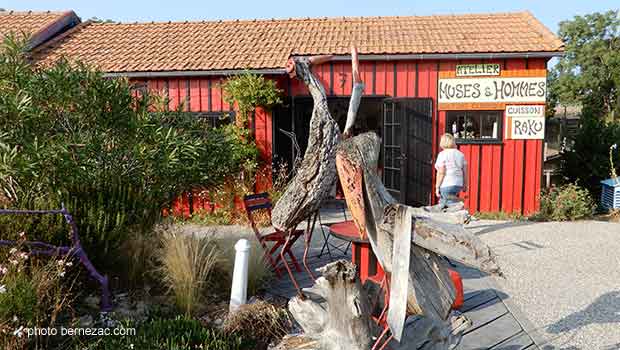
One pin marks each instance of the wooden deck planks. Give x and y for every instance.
(520, 341)
(493, 326)
(478, 298)
(492, 335)
(485, 314)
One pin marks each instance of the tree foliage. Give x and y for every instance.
(589, 76)
(587, 162)
(69, 135)
(589, 72)
(249, 91)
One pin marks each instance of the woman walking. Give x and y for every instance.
(451, 172)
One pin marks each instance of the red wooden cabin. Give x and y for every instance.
(482, 77)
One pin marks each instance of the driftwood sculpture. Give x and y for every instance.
(316, 175)
(409, 243)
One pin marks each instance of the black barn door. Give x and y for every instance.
(283, 147)
(408, 150)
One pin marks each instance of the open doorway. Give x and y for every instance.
(369, 116)
(403, 124)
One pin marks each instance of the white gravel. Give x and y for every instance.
(564, 277)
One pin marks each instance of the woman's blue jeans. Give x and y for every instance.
(449, 195)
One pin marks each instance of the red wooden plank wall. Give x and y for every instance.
(192, 94)
(381, 78)
(264, 142)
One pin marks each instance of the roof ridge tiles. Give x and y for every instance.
(305, 19)
(6, 12)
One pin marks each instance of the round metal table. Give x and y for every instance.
(361, 251)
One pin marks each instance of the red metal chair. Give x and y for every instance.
(280, 247)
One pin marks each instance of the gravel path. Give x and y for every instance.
(565, 278)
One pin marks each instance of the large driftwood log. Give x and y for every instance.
(429, 290)
(335, 313)
(316, 175)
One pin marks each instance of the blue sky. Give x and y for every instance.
(549, 12)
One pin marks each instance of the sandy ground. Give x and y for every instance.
(565, 278)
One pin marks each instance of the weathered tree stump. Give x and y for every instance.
(335, 315)
(336, 311)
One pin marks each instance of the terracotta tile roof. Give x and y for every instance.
(262, 44)
(37, 26)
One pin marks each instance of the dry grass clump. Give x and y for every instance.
(186, 266)
(260, 321)
(34, 292)
(139, 253)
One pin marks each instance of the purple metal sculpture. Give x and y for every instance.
(75, 250)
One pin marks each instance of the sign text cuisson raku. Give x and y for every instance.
(525, 122)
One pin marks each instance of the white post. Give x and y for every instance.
(239, 289)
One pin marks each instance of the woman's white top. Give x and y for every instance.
(454, 162)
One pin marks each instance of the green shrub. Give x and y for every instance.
(168, 334)
(566, 203)
(249, 91)
(69, 135)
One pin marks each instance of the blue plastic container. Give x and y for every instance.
(610, 194)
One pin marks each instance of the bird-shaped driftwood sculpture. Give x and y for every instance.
(316, 175)
(409, 243)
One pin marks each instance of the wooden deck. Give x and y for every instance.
(493, 325)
